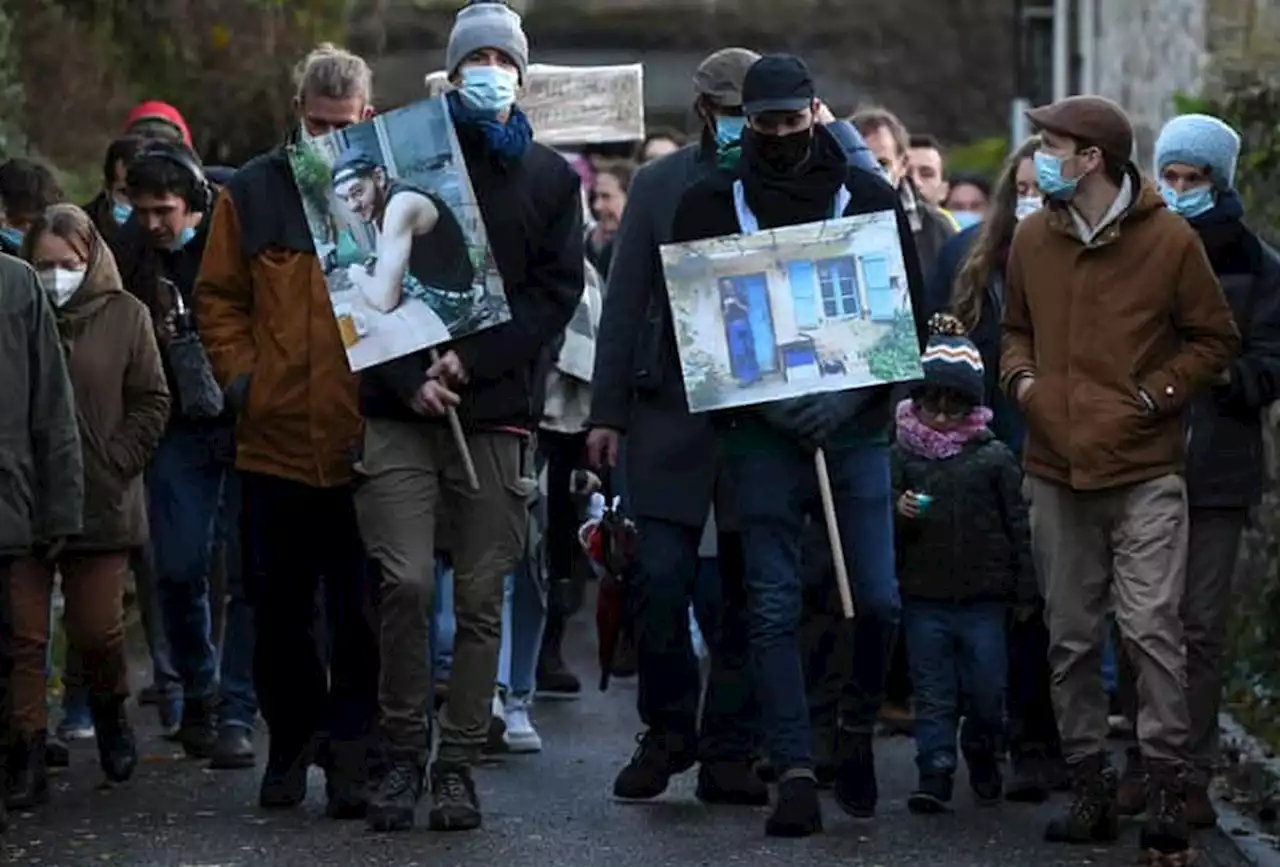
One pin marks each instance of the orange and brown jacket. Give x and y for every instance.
(267, 323)
(1118, 331)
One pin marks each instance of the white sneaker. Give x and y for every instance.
(521, 737)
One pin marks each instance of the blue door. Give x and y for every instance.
(804, 293)
(753, 290)
(879, 290)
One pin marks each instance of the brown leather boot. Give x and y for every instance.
(1200, 810)
(1131, 796)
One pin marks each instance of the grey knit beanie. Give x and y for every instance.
(487, 24)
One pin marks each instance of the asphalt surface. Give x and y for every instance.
(554, 808)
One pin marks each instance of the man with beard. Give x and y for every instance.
(792, 172)
(418, 236)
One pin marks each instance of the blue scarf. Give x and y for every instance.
(507, 143)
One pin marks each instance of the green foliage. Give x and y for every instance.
(1250, 103)
(11, 91)
(896, 356)
(983, 157)
(1252, 678)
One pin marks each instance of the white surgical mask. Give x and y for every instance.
(1027, 205)
(61, 284)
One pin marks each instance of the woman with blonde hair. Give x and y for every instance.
(122, 404)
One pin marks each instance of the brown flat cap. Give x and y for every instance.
(721, 74)
(1093, 119)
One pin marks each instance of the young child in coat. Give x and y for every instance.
(964, 561)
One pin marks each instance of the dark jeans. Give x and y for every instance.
(295, 535)
(956, 649)
(237, 701)
(1033, 730)
(184, 485)
(775, 491)
(667, 581)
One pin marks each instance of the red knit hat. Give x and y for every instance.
(162, 112)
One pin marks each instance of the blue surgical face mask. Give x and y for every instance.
(184, 238)
(1189, 203)
(1049, 177)
(489, 89)
(11, 236)
(120, 213)
(729, 130)
(965, 219)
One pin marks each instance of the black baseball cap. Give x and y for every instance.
(777, 82)
(352, 163)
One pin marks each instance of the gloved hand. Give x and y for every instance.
(816, 418)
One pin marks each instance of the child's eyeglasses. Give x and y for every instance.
(939, 401)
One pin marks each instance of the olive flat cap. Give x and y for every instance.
(1092, 119)
(720, 75)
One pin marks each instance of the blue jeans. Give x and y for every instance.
(957, 649)
(524, 616)
(667, 580)
(774, 491)
(237, 701)
(443, 625)
(1110, 666)
(185, 484)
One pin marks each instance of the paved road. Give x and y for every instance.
(549, 809)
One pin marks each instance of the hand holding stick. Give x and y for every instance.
(460, 438)
(833, 534)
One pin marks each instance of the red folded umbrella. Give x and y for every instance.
(610, 546)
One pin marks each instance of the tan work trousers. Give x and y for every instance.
(411, 475)
(1127, 546)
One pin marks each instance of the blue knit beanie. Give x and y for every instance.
(1200, 140)
(487, 24)
(952, 361)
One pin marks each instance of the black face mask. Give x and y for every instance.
(782, 153)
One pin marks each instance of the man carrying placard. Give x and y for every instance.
(792, 172)
(413, 470)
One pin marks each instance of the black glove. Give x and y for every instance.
(816, 418)
(237, 393)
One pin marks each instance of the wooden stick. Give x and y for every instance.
(833, 533)
(460, 439)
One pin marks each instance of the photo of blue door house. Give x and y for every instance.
(786, 312)
(805, 334)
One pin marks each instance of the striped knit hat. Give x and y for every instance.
(951, 360)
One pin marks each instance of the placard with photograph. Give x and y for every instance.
(792, 311)
(399, 234)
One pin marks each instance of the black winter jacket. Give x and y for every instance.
(974, 540)
(1225, 462)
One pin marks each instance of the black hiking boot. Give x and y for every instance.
(1091, 818)
(932, 794)
(731, 782)
(455, 806)
(797, 813)
(855, 784)
(27, 785)
(1131, 794)
(233, 750)
(284, 781)
(197, 733)
(656, 760)
(1166, 831)
(985, 779)
(395, 801)
(117, 749)
(1028, 784)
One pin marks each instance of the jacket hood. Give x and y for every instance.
(101, 281)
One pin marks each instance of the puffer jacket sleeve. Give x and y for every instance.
(1017, 521)
(146, 400)
(55, 436)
